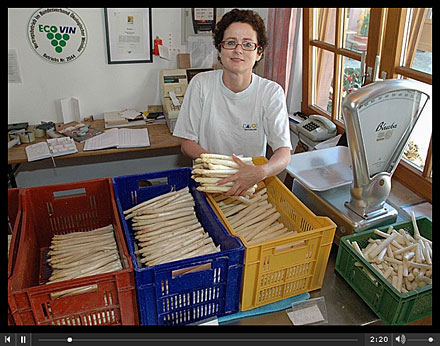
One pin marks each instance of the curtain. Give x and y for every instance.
(279, 51)
(324, 60)
(294, 89)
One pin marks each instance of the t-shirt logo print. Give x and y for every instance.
(250, 127)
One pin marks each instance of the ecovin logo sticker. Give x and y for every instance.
(58, 35)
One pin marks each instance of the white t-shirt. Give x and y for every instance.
(227, 123)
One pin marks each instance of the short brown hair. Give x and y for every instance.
(243, 16)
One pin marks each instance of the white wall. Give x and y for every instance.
(99, 86)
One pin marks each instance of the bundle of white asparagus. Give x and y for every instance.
(78, 254)
(403, 260)
(167, 229)
(210, 168)
(9, 242)
(255, 218)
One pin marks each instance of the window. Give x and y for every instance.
(345, 48)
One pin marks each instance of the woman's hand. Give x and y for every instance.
(247, 176)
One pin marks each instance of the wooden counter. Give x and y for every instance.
(160, 138)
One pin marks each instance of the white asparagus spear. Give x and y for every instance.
(94, 245)
(169, 230)
(224, 157)
(357, 248)
(207, 180)
(175, 199)
(263, 225)
(176, 206)
(84, 267)
(79, 241)
(256, 219)
(415, 227)
(268, 237)
(234, 210)
(164, 241)
(213, 172)
(147, 220)
(83, 270)
(150, 201)
(405, 249)
(219, 162)
(243, 213)
(275, 227)
(73, 235)
(183, 211)
(207, 249)
(380, 247)
(149, 256)
(211, 166)
(220, 188)
(87, 259)
(150, 228)
(169, 257)
(249, 219)
(158, 240)
(174, 226)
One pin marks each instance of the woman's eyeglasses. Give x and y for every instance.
(246, 45)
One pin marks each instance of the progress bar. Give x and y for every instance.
(212, 339)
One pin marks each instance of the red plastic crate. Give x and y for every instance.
(14, 220)
(58, 209)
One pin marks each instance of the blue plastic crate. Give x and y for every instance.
(165, 297)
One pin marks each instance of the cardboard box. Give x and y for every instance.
(183, 60)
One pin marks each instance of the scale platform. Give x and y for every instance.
(331, 203)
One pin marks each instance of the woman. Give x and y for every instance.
(234, 111)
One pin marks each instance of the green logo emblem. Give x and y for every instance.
(58, 35)
(57, 40)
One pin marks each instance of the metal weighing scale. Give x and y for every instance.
(379, 119)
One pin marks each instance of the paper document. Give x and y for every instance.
(133, 138)
(119, 138)
(202, 51)
(37, 151)
(51, 148)
(129, 114)
(164, 52)
(306, 316)
(108, 139)
(174, 98)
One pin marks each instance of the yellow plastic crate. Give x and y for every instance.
(277, 269)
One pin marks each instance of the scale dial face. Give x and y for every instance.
(384, 120)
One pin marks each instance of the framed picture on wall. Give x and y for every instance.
(129, 35)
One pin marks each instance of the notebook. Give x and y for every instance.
(119, 138)
(51, 148)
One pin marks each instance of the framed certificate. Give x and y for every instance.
(129, 35)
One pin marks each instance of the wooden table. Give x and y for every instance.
(161, 140)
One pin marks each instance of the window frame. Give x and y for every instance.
(386, 29)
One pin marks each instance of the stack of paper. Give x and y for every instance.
(119, 138)
(126, 117)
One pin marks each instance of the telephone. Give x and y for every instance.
(174, 84)
(203, 19)
(317, 127)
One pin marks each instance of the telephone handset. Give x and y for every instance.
(317, 127)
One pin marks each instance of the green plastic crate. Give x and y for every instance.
(391, 306)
